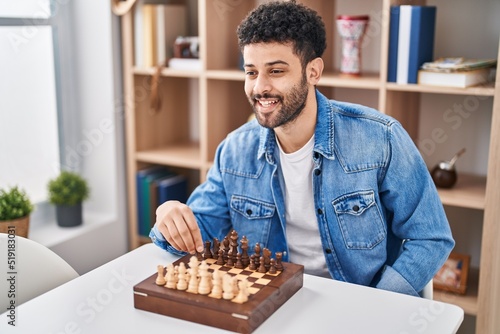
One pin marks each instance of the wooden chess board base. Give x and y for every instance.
(220, 313)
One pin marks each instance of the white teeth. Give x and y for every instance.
(267, 103)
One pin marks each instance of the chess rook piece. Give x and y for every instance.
(279, 265)
(160, 279)
(351, 29)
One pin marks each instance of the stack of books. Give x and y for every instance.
(456, 72)
(411, 41)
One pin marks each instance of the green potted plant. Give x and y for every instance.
(15, 210)
(67, 192)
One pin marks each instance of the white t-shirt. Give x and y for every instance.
(302, 229)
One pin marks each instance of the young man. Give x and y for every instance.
(337, 187)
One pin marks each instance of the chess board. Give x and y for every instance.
(267, 293)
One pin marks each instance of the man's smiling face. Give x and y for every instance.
(275, 83)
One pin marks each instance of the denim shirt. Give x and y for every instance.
(380, 219)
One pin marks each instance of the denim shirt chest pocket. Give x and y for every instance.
(252, 217)
(359, 220)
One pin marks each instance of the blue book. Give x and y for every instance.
(143, 178)
(422, 31)
(172, 188)
(392, 63)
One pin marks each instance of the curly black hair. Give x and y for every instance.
(285, 22)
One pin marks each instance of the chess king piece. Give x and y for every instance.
(352, 30)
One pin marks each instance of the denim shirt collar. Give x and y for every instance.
(324, 133)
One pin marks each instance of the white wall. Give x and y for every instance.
(93, 137)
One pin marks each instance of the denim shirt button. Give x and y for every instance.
(249, 212)
(316, 155)
(328, 251)
(355, 208)
(320, 212)
(317, 171)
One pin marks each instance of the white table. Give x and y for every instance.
(101, 301)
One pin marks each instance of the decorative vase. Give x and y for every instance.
(352, 30)
(69, 215)
(20, 226)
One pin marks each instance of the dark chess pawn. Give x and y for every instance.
(225, 242)
(215, 247)
(229, 261)
(279, 265)
(267, 257)
(244, 251)
(220, 257)
(256, 249)
(238, 264)
(199, 256)
(272, 267)
(262, 267)
(252, 263)
(208, 252)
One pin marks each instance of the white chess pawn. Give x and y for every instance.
(170, 277)
(204, 285)
(216, 285)
(160, 279)
(181, 278)
(227, 286)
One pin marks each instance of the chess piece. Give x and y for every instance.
(238, 264)
(225, 242)
(262, 266)
(256, 249)
(220, 257)
(234, 245)
(216, 285)
(244, 252)
(207, 254)
(215, 247)
(252, 266)
(198, 256)
(243, 293)
(279, 265)
(193, 278)
(227, 287)
(181, 277)
(204, 284)
(267, 258)
(160, 279)
(170, 277)
(272, 267)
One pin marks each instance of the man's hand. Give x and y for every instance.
(178, 225)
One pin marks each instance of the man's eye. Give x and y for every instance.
(250, 73)
(276, 71)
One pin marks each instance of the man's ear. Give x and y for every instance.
(315, 70)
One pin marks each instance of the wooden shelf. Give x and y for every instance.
(365, 81)
(168, 72)
(182, 155)
(469, 301)
(468, 192)
(483, 90)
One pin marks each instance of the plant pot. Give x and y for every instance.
(69, 215)
(19, 226)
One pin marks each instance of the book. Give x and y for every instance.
(460, 79)
(149, 31)
(422, 31)
(144, 178)
(415, 41)
(403, 44)
(188, 64)
(452, 64)
(392, 63)
(172, 188)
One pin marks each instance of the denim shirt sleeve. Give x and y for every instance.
(418, 218)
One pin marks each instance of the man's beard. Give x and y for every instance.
(291, 106)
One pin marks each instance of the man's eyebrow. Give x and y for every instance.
(272, 63)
